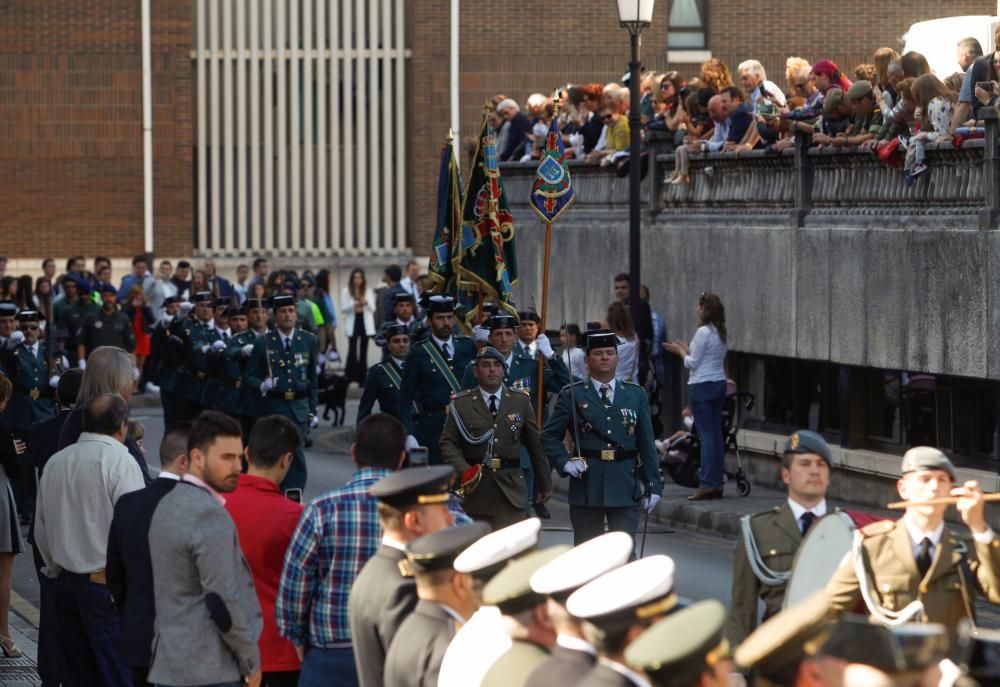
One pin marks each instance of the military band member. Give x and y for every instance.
(283, 369)
(432, 373)
(412, 503)
(482, 439)
(384, 378)
(107, 326)
(918, 567)
(445, 602)
(616, 608)
(615, 469)
(768, 541)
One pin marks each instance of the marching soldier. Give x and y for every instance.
(227, 364)
(482, 438)
(918, 567)
(257, 316)
(191, 334)
(768, 541)
(527, 333)
(213, 348)
(384, 378)
(615, 470)
(164, 361)
(403, 309)
(283, 368)
(431, 376)
(256, 309)
(71, 311)
(444, 604)
(106, 327)
(412, 503)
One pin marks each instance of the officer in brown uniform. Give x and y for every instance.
(482, 439)
(768, 541)
(918, 567)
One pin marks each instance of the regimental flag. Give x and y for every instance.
(488, 264)
(552, 191)
(446, 252)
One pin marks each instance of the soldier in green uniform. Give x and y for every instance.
(227, 364)
(918, 567)
(403, 312)
(71, 311)
(256, 309)
(615, 470)
(191, 373)
(213, 348)
(384, 378)
(444, 604)
(768, 541)
(522, 374)
(431, 376)
(165, 361)
(482, 438)
(283, 368)
(106, 327)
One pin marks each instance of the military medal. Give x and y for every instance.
(515, 421)
(629, 419)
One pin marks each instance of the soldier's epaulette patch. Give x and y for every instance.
(526, 392)
(878, 528)
(461, 394)
(627, 383)
(576, 383)
(404, 568)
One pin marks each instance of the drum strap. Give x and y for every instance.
(766, 576)
(880, 613)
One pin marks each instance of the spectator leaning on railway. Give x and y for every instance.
(967, 51)
(753, 78)
(518, 129)
(936, 104)
(897, 124)
(914, 64)
(984, 68)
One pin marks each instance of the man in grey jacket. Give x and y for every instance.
(208, 618)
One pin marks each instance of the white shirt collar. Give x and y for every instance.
(399, 361)
(510, 360)
(598, 384)
(486, 395)
(442, 342)
(211, 323)
(575, 644)
(819, 510)
(453, 613)
(169, 475)
(392, 543)
(224, 332)
(285, 337)
(405, 323)
(917, 536)
(637, 678)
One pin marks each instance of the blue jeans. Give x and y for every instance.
(320, 664)
(89, 630)
(706, 406)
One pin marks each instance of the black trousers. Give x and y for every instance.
(357, 351)
(588, 521)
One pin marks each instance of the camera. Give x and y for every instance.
(417, 456)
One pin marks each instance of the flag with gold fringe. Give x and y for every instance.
(552, 192)
(445, 250)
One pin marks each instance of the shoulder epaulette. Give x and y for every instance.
(877, 528)
(576, 383)
(405, 569)
(625, 382)
(461, 394)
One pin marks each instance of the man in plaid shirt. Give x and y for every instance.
(335, 537)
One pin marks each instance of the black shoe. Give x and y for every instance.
(542, 511)
(308, 442)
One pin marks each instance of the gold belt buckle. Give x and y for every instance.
(200, 375)
(607, 454)
(289, 395)
(238, 383)
(495, 464)
(34, 393)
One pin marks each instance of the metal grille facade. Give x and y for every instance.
(301, 131)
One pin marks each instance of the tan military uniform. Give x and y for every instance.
(778, 537)
(894, 580)
(501, 497)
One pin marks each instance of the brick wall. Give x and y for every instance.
(510, 49)
(71, 128)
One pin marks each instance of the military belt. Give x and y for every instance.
(288, 395)
(497, 463)
(609, 455)
(200, 375)
(37, 393)
(238, 383)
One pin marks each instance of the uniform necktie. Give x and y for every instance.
(806, 520)
(447, 351)
(288, 345)
(924, 557)
(225, 336)
(493, 405)
(606, 394)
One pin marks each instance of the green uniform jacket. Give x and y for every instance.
(295, 393)
(250, 398)
(226, 367)
(610, 484)
(414, 659)
(192, 373)
(107, 329)
(895, 581)
(515, 666)
(515, 426)
(70, 317)
(778, 537)
(382, 385)
(523, 375)
(431, 388)
(32, 399)
(207, 362)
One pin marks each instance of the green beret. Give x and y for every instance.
(510, 590)
(679, 648)
(860, 89)
(833, 99)
(777, 647)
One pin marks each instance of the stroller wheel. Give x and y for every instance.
(742, 485)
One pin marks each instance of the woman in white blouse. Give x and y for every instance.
(706, 359)
(620, 322)
(357, 303)
(572, 354)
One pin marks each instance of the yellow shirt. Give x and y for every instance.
(618, 135)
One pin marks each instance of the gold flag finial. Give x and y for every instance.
(451, 135)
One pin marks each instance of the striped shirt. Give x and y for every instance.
(336, 535)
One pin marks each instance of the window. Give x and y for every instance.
(688, 25)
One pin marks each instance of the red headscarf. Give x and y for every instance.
(829, 69)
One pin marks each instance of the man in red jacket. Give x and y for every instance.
(265, 520)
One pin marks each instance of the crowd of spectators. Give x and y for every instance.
(891, 106)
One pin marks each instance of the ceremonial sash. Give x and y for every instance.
(436, 356)
(393, 374)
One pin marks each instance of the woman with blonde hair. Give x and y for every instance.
(715, 74)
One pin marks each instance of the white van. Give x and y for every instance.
(936, 39)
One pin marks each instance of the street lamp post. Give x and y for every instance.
(634, 15)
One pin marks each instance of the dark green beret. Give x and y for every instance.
(679, 648)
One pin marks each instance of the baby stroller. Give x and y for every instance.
(682, 459)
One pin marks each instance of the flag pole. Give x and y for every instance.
(545, 307)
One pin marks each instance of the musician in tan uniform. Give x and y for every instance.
(768, 541)
(483, 433)
(918, 567)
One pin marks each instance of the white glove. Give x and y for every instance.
(480, 334)
(82, 364)
(649, 502)
(575, 468)
(333, 356)
(266, 385)
(15, 338)
(314, 423)
(411, 442)
(219, 345)
(65, 362)
(186, 309)
(204, 348)
(54, 381)
(544, 346)
(321, 359)
(247, 350)
(136, 373)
